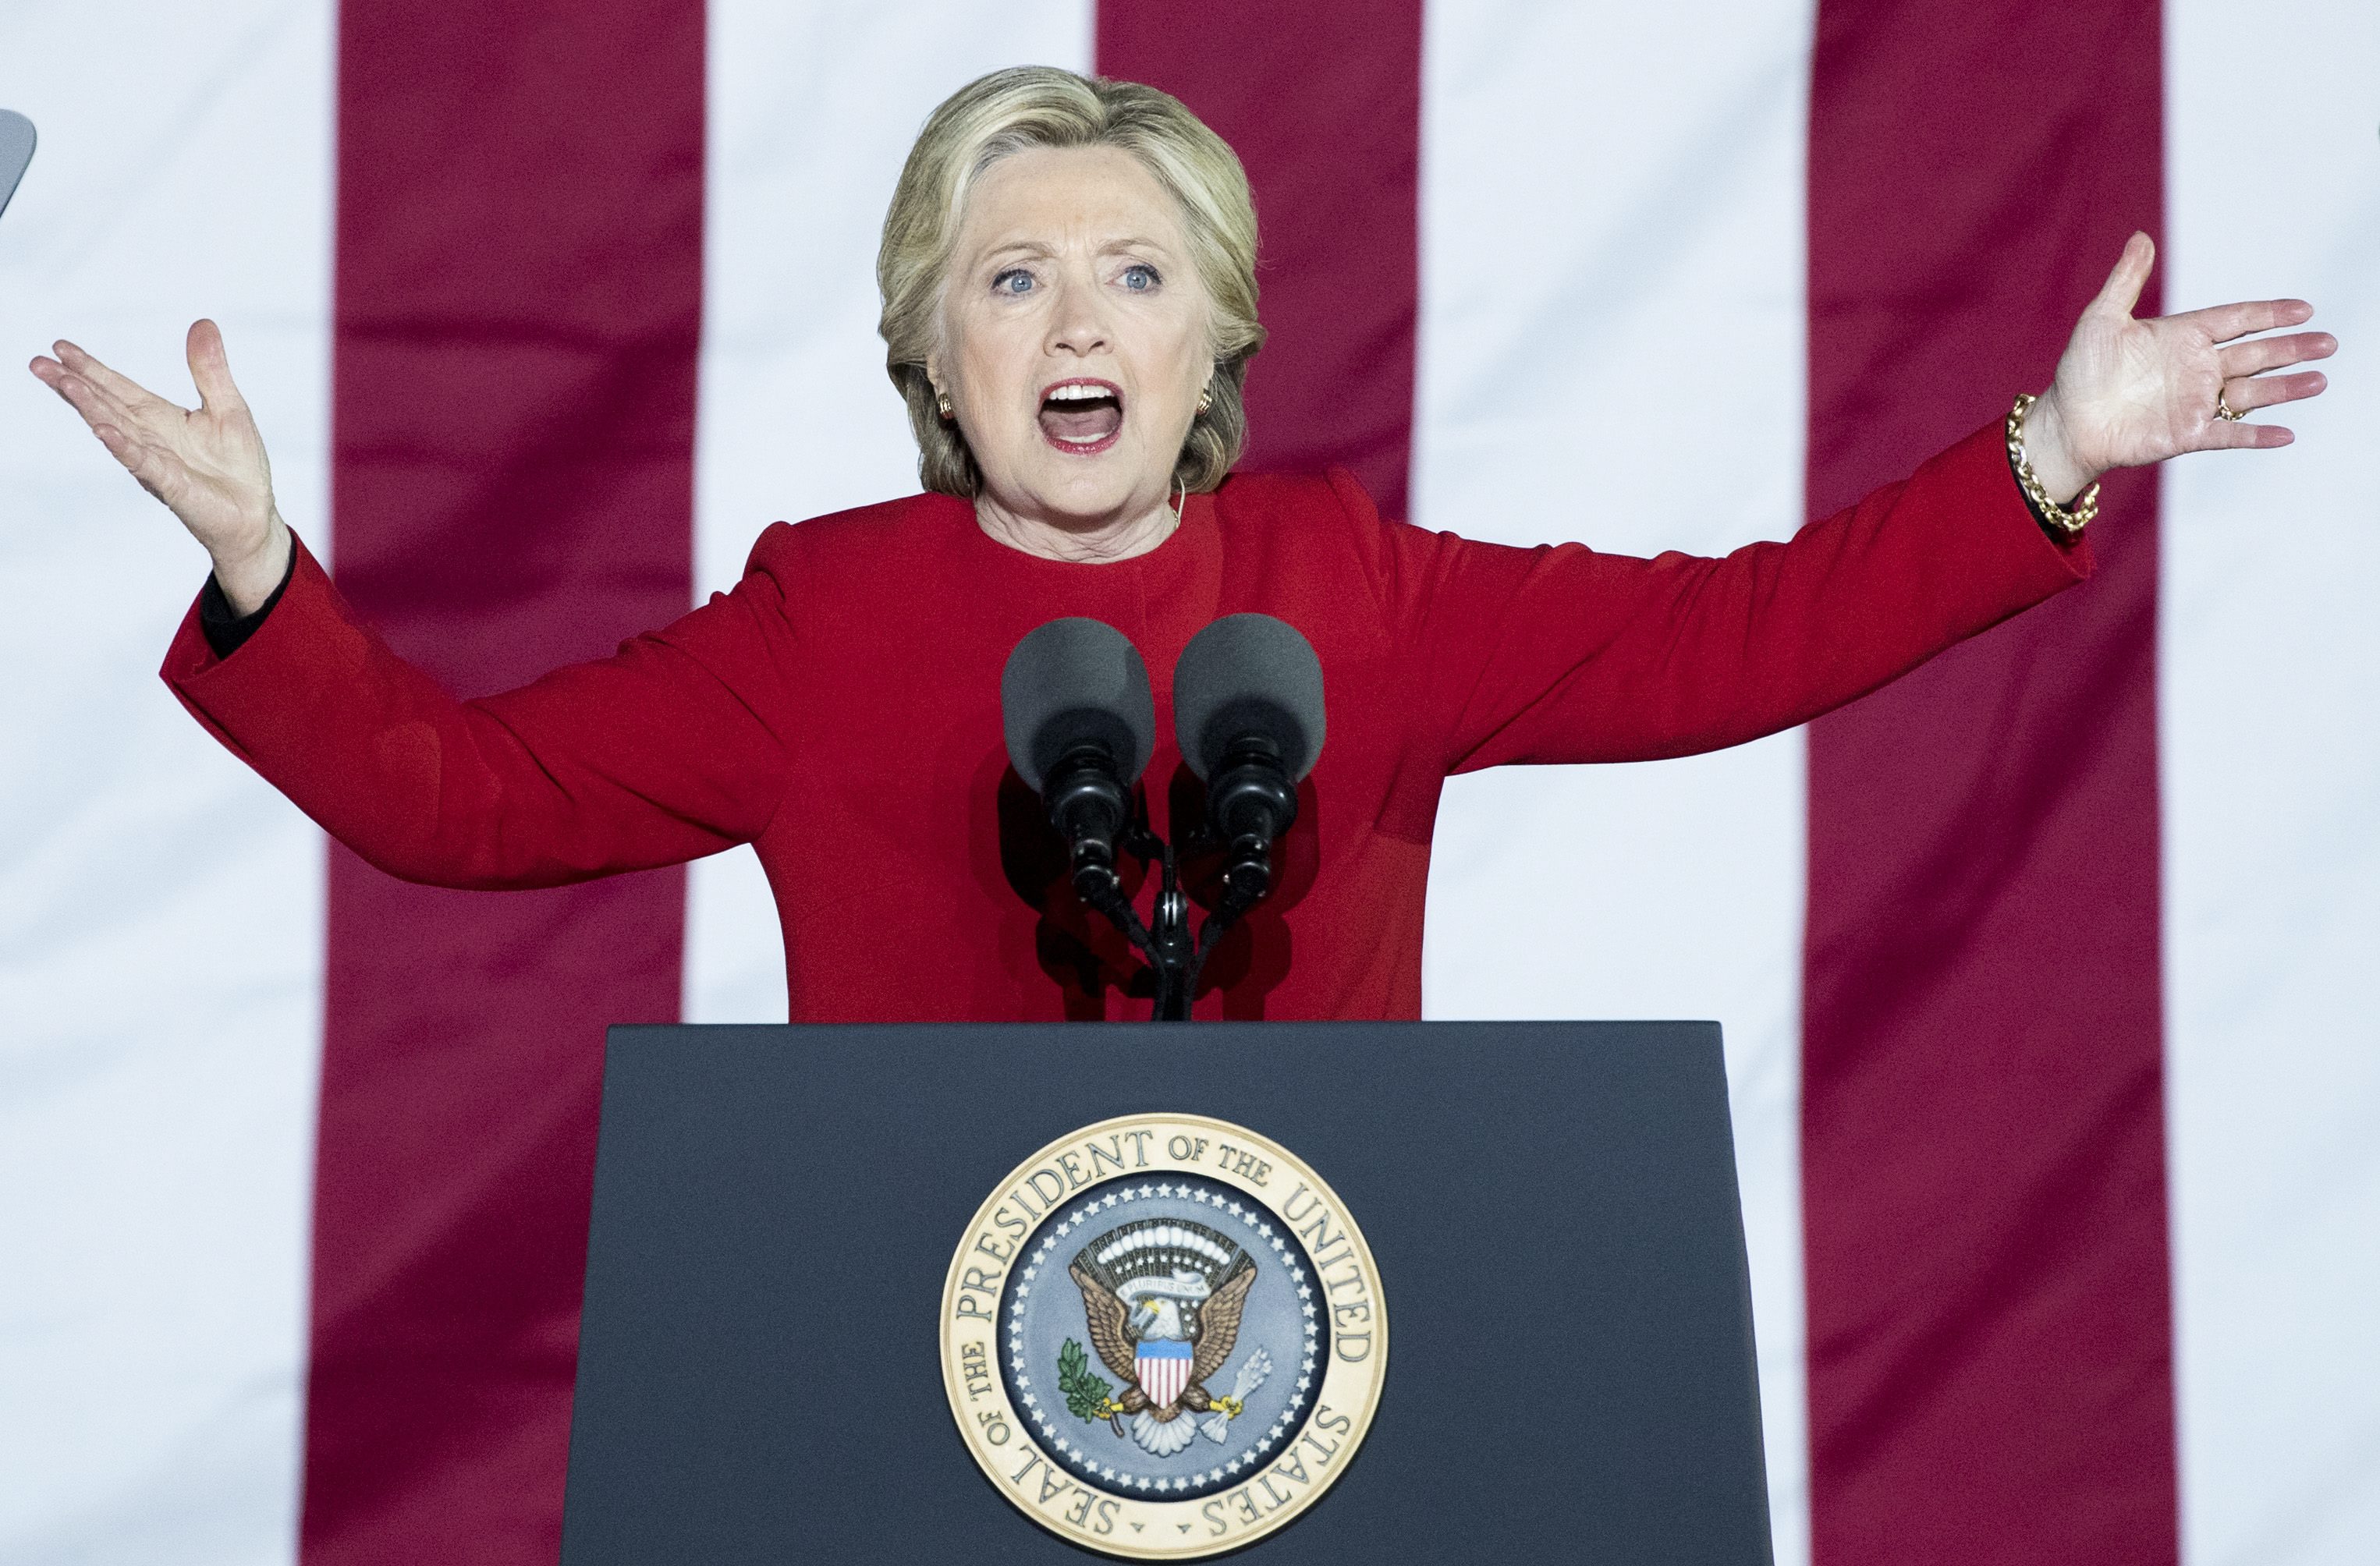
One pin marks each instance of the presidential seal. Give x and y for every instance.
(1163, 1337)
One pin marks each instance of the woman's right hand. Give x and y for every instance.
(208, 465)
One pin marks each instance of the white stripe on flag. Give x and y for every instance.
(1611, 350)
(812, 110)
(2270, 660)
(161, 908)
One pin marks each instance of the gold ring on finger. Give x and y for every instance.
(2225, 411)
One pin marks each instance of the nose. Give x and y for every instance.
(1079, 325)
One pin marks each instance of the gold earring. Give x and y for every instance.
(1206, 399)
(942, 404)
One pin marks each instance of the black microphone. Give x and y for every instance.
(1080, 724)
(1247, 707)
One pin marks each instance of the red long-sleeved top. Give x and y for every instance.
(840, 710)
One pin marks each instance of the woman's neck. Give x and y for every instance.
(1097, 543)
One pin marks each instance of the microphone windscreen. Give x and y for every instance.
(1074, 682)
(1249, 675)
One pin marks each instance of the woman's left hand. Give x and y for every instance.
(2129, 392)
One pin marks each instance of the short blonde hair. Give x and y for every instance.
(1031, 106)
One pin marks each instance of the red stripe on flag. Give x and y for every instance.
(1322, 102)
(1989, 1329)
(518, 310)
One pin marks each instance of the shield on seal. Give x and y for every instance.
(1163, 1369)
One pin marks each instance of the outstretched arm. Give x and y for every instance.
(1565, 655)
(652, 756)
(1562, 654)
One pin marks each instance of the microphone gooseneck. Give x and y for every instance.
(1080, 724)
(1089, 804)
(1250, 802)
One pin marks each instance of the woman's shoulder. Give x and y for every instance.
(872, 536)
(1315, 542)
(1330, 497)
(1322, 515)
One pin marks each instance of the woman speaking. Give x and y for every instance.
(1069, 309)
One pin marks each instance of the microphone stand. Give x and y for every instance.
(1171, 954)
(1174, 957)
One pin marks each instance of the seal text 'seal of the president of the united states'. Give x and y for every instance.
(1163, 1337)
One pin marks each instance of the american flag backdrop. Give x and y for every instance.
(2048, 973)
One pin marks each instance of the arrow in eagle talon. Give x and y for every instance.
(1216, 1427)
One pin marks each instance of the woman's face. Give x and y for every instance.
(1075, 335)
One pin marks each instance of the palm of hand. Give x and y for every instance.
(2138, 392)
(207, 464)
(2129, 392)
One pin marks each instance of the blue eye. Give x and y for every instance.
(1015, 280)
(1140, 277)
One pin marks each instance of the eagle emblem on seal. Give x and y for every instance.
(1162, 1300)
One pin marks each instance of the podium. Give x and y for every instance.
(1551, 1209)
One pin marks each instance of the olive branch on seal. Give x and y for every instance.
(1087, 1395)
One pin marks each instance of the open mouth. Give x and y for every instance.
(1082, 417)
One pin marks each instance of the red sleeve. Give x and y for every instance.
(658, 755)
(1560, 654)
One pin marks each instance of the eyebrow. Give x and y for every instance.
(1037, 248)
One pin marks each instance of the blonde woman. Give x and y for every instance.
(1069, 309)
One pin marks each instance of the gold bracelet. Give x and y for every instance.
(2069, 521)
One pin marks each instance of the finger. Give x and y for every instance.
(95, 405)
(2246, 396)
(2221, 436)
(123, 388)
(138, 458)
(2123, 289)
(141, 457)
(121, 446)
(211, 368)
(150, 419)
(157, 471)
(2223, 323)
(2260, 354)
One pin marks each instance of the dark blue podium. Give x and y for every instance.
(1552, 1207)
